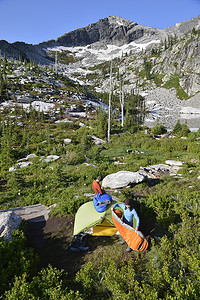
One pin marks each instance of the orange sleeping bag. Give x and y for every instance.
(134, 239)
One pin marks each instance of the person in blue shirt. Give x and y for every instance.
(130, 217)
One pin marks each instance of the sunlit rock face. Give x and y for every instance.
(122, 179)
(9, 221)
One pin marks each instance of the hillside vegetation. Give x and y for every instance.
(172, 63)
(167, 205)
(169, 269)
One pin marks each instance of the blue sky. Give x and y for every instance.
(41, 20)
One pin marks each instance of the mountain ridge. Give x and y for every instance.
(111, 30)
(102, 30)
(171, 54)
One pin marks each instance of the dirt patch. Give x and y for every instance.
(50, 240)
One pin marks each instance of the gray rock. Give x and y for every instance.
(64, 121)
(51, 158)
(9, 221)
(67, 141)
(24, 164)
(32, 213)
(113, 30)
(174, 163)
(122, 179)
(97, 140)
(30, 156)
(91, 165)
(21, 164)
(155, 171)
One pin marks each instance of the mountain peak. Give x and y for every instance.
(112, 30)
(119, 21)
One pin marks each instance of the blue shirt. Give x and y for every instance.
(128, 215)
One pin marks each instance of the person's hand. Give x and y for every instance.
(112, 208)
(136, 228)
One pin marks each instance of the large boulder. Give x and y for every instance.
(9, 221)
(122, 179)
(32, 213)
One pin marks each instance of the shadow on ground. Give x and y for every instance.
(50, 239)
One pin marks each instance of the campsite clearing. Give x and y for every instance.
(50, 241)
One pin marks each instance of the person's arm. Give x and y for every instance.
(98, 188)
(118, 205)
(101, 191)
(137, 219)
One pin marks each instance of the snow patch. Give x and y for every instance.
(112, 51)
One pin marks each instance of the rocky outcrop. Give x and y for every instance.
(31, 213)
(10, 219)
(97, 141)
(175, 163)
(156, 171)
(24, 51)
(67, 141)
(183, 60)
(182, 28)
(22, 164)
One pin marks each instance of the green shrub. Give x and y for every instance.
(173, 82)
(48, 284)
(15, 259)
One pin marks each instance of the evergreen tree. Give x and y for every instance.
(24, 141)
(130, 123)
(185, 129)
(3, 87)
(147, 68)
(102, 125)
(16, 182)
(4, 65)
(177, 128)
(158, 129)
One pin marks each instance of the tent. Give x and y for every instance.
(95, 223)
(107, 223)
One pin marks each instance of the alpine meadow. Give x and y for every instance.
(113, 96)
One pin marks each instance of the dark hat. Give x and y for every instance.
(127, 202)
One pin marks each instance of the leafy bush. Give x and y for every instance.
(48, 284)
(73, 158)
(15, 259)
